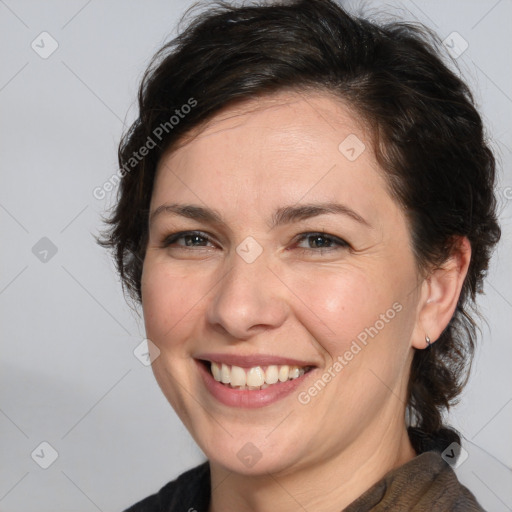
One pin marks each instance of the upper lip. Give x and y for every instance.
(251, 360)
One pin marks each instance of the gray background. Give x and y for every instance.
(68, 373)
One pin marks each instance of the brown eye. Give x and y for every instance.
(313, 241)
(187, 239)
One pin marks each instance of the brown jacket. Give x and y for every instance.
(426, 483)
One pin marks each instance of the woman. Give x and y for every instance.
(306, 215)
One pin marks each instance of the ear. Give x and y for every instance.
(440, 293)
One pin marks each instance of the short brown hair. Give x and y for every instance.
(429, 141)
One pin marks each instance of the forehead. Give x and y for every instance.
(273, 150)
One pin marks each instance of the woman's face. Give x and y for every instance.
(274, 244)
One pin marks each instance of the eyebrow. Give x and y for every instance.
(289, 214)
(284, 215)
(189, 211)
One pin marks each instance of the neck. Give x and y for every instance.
(327, 486)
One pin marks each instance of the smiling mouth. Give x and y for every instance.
(256, 377)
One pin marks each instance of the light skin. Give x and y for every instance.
(304, 298)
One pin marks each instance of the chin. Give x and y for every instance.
(251, 453)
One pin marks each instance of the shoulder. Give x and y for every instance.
(442, 489)
(426, 483)
(190, 492)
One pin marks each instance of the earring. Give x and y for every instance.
(427, 339)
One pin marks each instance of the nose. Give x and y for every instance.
(247, 300)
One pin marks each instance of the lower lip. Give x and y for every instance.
(245, 398)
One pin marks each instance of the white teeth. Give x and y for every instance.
(283, 373)
(294, 372)
(256, 377)
(238, 376)
(225, 374)
(216, 372)
(272, 374)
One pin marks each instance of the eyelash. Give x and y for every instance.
(171, 239)
(334, 240)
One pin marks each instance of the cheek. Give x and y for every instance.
(170, 301)
(338, 304)
(366, 312)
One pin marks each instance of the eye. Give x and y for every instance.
(317, 242)
(188, 239)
